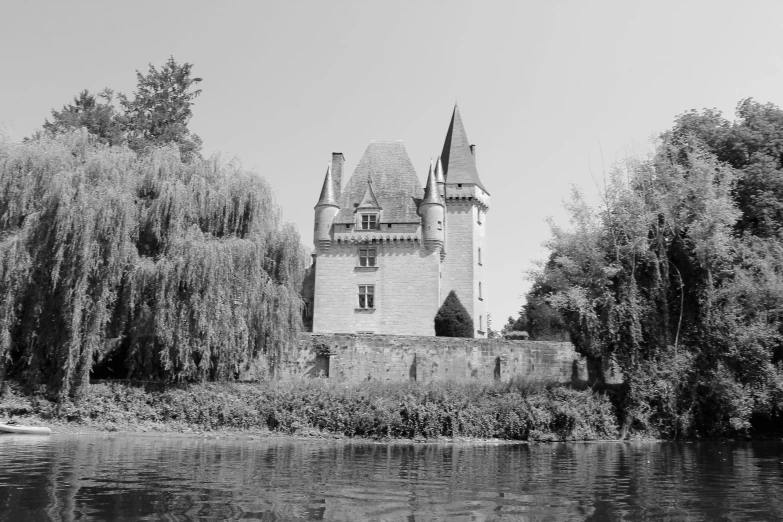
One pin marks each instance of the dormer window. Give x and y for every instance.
(369, 221)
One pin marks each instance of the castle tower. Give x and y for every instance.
(432, 214)
(467, 203)
(325, 211)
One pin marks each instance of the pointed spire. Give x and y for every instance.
(327, 192)
(439, 177)
(431, 195)
(369, 200)
(459, 164)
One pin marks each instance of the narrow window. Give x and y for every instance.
(366, 296)
(369, 221)
(481, 323)
(367, 257)
(480, 296)
(440, 225)
(479, 255)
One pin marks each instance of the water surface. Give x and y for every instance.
(106, 477)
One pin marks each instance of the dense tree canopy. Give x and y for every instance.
(97, 115)
(157, 114)
(139, 265)
(453, 320)
(753, 145)
(663, 280)
(161, 109)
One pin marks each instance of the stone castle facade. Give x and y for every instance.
(388, 252)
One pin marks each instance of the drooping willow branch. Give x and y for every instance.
(180, 271)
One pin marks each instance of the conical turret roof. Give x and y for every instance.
(439, 177)
(458, 162)
(327, 192)
(431, 195)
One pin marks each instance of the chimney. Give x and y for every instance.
(337, 172)
(473, 152)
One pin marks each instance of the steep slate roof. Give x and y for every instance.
(394, 183)
(369, 200)
(458, 162)
(327, 191)
(439, 177)
(431, 195)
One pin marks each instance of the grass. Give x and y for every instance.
(380, 411)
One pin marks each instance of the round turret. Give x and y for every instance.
(432, 214)
(325, 211)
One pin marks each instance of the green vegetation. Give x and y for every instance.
(157, 115)
(125, 254)
(128, 265)
(678, 278)
(453, 320)
(373, 410)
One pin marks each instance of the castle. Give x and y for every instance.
(389, 252)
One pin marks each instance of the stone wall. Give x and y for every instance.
(353, 358)
(406, 289)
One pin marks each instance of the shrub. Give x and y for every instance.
(452, 320)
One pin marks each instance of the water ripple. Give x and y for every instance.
(144, 478)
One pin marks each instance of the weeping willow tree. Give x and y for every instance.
(148, 266)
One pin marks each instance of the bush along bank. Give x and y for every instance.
(373, 410)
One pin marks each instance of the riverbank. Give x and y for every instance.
(323, 409)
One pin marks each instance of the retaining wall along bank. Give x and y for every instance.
(352, 358)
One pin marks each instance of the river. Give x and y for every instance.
(124, 477)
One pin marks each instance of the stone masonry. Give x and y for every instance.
(352, 358)
(424, 242)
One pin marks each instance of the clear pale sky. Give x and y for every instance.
(545, 89)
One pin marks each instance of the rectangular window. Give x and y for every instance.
(369, 221)
(481, 323)
(479, 256)
(480, 296)
(367, 257)
(366, 296)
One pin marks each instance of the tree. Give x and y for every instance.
(657, 281)
(139, 266)
(161, 109)
(453, 320)
(100, 118)
(540, 319)
(753, 145)
(157, 115)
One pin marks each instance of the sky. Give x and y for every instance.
(552, 93)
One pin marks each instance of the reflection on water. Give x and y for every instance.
(132, 478)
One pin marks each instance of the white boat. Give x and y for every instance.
(26, 430)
